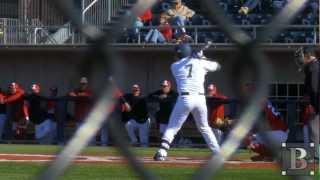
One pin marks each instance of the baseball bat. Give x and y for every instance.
(205, 47)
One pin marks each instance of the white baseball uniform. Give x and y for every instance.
(190, 74)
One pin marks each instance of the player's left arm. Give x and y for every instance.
(211, 66)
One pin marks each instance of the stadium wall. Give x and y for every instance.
(58, 67)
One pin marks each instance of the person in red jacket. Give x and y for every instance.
(17, 112)
(82, 100)
(215, 109)
(276, 130)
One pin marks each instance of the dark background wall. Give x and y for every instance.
(60, 67)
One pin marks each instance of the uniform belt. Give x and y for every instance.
(187, 93)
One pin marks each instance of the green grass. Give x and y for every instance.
(111, 151)
(21, 171)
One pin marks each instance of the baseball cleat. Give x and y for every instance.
(160, 155)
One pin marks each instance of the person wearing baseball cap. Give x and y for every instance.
(166, 98)
(136, 116)
(215, 110)
(82, 101)
(36, 106)
(16, 112)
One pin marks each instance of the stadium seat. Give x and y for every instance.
(197, 20)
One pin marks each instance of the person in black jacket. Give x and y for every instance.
(36, 107)
(311, 89)
(166, 97)
(136, 116)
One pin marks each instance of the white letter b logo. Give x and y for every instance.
(294, 158)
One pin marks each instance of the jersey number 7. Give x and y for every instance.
(190, 70)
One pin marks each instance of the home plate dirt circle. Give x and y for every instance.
(171, 161)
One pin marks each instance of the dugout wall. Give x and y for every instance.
(58, 67)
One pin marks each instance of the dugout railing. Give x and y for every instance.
(66, 124)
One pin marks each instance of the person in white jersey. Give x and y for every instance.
(189, 72)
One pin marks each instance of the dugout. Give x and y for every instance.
(148, 66)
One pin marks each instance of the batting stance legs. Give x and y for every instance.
(196, 104)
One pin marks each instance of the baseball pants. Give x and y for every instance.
(143, 128)
(3, 118)
(195, 104)
(219, 135)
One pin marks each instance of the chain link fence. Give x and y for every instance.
(102, 56)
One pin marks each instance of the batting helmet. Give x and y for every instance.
(183, 50)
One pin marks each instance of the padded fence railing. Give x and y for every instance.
(62, 117)
(14, 33)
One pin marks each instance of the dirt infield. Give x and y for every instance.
(171, 161)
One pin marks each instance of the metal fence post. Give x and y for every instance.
(196, 35)
(254, 32)
(5, 30)
(82, 11)
(62, 106)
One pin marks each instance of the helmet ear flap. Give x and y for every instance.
(183, 50)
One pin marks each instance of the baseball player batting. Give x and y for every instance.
(189, 72)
